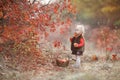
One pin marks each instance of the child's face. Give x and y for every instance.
(77, 34)
(78, 31)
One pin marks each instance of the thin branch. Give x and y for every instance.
(46, 4)
(33, 1)
(2, 26)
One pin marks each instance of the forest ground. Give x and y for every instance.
(89, 70)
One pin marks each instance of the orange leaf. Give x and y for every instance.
(46, 34)
(1, 49)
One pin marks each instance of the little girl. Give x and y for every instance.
(78, 44)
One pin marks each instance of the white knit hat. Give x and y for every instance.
(79, 29)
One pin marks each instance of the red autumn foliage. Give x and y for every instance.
(106, 38)
(109, 49)
(25, 23)
(57, 44)
(114, 57)
(94, 57)
(0, 49)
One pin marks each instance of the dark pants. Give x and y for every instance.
(80, 53)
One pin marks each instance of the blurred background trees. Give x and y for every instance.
(98, 12)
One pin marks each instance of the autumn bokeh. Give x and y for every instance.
(29, 29)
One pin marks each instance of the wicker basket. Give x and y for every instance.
(62, 62)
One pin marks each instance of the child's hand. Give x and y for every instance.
(75, 44)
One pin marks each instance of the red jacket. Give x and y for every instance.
(80, 41)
